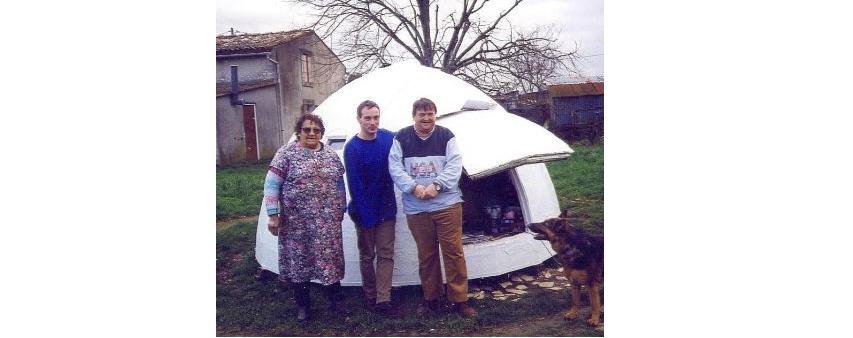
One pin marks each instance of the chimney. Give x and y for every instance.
(235, 87)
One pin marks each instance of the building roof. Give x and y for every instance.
(222, 88)
(576, 79)
(576, 89)
(254, 43)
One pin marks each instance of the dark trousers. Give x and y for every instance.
(302, 293)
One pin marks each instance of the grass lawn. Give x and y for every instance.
(239, 191)
(579, 181)
(250, 306)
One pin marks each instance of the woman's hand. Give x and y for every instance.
(273, 224)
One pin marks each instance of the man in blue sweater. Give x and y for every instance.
(426, 165)
(372, 205)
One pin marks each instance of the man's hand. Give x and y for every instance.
(273, 224)
(430, 192)
(419, 191)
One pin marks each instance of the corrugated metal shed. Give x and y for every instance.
(254, 43)
(576, 89)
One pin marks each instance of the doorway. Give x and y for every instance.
(250, 126)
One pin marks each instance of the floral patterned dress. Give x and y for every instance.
(308, 186)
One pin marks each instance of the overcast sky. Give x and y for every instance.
(580, 21)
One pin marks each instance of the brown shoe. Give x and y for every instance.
(427, 307)
(464, 310)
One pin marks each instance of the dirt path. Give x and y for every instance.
(545, 325)
(551, 325)
(224, 224)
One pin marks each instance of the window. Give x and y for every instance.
(336, 142)
(307, 68)
(308, 106)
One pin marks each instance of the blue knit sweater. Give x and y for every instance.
(371, 190)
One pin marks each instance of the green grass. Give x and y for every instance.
(239, 190)
(247, 306)
(579, 181)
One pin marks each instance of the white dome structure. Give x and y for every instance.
(502, 157)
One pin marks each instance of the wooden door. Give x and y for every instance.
(251, 135)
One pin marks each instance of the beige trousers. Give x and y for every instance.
(443, 229)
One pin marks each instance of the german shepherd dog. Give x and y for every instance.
(582, 257)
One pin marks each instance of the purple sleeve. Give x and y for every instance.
(273, 182)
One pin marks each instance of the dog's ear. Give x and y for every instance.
(555, 224)
(562, 225)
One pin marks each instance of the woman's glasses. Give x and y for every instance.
(309, 130)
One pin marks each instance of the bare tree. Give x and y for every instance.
(484, 50)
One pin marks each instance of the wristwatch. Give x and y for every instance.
(437, 186)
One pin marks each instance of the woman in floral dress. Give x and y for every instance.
(305, 199)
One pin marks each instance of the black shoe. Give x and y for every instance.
(427, 307)
(262, 275)
(386, 309)
(302, 314)
(369, 303)
(340, 308)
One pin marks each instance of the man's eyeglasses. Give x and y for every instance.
(309, 130)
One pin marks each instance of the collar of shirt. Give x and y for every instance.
(427, 135)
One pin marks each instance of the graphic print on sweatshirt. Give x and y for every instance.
(419, 170)
(414, 161)
(424, 169)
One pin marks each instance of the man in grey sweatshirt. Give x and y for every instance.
(426, 166)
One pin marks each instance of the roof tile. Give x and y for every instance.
(249, 43)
